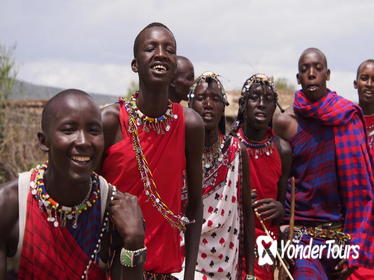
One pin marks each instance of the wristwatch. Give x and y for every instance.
(130, 258)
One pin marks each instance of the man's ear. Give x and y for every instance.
(298, 78)
(43, 143)
(328, 75)
(134, 65)
(355, 84)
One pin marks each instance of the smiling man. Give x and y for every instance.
(150, 144)
(56, 216)
(332, 170)
(364, 84)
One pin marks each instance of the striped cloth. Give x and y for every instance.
(353, 163)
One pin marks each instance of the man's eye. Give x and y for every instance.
(170, 50)
(253, 97)
(95, 131)
(364, 77)
(149, 48)
(67, 130)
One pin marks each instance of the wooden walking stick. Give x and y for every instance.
(291, 227)
(277, 253)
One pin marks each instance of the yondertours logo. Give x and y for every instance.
(330, 249)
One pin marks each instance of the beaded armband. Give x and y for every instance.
(130, 258)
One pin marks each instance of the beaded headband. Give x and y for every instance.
(258, 79)
(203, 78)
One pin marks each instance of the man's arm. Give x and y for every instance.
(285, 152)
(127, 217)
(285, 124)
(9, 219)
(194, 209)
(248, 217)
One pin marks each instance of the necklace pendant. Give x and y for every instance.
(167, 127)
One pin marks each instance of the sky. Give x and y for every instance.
(87, 44)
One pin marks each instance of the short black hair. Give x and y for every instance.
(362, 65)
(48, 108)
(153, 24)
(315, 50)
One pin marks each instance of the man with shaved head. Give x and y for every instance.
(182, 81)
(56, 218)
(364, 84)
(153, 146)
(332, 171)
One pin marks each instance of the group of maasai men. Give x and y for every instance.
(147, 189)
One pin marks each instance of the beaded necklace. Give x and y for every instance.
(59, 214)
(257, 150)
(104, 229)
(213, 154)
(150, 188)
(160, 124)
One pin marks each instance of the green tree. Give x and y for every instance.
(132, 88)
(285, 84)
(7, 72)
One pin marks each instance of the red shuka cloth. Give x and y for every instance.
(165, 154)
(264, 174)
(50, 252)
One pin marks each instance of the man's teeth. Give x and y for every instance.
(159, 67)
(81, 158)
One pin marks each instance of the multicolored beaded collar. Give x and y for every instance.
(59, 214)
(257, 150)
(160, 124)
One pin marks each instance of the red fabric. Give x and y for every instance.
(165, 154)
(369, 124)
(49, 252)
(219, 173)
(264, 175)
(362, 273)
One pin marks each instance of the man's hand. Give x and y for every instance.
(269, 209)
(127, 217)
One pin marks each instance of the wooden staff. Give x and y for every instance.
(277, 253)
(292, 218)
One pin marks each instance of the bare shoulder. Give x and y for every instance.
(110, 114)
(194, 122)
(8, 207)
(285, 124)
(283, 146)
(110, 118)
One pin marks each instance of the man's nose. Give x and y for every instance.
(312, 73)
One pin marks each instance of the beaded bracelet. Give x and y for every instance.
(127, 257)
(250, 277)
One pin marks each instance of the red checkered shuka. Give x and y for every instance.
(354, 166)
